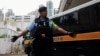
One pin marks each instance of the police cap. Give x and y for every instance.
(41, 9)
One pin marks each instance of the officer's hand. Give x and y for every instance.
(71, 34)
(14, 38)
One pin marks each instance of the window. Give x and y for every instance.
(27, 16)
(18, 16)
(88, 15)
(56, 20)
(98, 13)
(88, 19)
(63, 20)
(70, 19)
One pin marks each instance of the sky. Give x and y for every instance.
(23, 7)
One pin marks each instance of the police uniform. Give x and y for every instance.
(42, 47)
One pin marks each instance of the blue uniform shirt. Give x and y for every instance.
(31, 27)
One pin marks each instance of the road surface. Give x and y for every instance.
(12, 55)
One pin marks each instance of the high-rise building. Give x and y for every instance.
(55, 11)
(50, 8)
(1, 14)
(10, 13)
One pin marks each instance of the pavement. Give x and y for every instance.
(11, 55)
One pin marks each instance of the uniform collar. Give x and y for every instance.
(46, 18)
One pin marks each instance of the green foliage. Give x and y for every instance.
(2, 35)
(18, 29)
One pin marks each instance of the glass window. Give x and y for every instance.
(18, 16)
(98, 13)
(70, 19)
(27, 16)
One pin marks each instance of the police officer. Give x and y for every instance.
(43, 36)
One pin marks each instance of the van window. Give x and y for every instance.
(70, 19)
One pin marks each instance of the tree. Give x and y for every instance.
(3, 35)
(18, 29)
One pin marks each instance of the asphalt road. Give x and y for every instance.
(12, 55)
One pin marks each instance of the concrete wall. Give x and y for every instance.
(5, 43)
(5, 46)
(2, 24)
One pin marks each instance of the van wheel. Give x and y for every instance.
(30, 54)
(81, 55)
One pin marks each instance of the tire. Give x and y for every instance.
(27, 51)
(32, 54)
(28, 54)
(79, 53)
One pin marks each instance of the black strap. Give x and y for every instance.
(37, 20)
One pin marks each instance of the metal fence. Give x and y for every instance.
(7, 33)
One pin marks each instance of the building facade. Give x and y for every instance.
(1, 14)
(9, 13)
(49, 5)
(23, 21)
(7, 30)
(56, 11)
(7, 27)
(34, 13)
